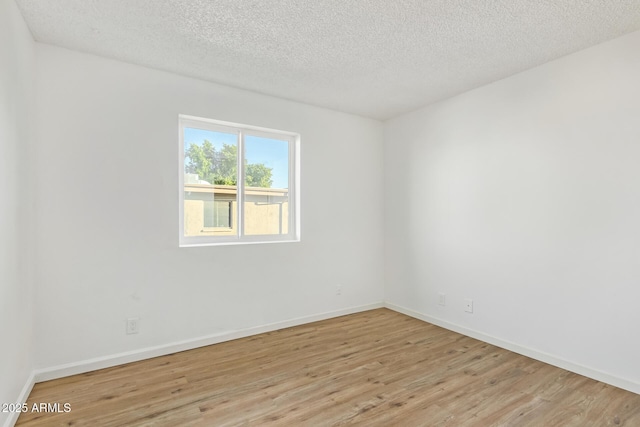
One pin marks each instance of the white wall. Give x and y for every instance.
(524, 195)
(108, 209)
(16, 95)
(521, 195)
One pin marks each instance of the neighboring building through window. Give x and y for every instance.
(217, 214)
(238, 183)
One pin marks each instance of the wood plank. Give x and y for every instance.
(376, 368)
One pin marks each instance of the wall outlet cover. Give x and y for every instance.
(133, 324)
(468, 305)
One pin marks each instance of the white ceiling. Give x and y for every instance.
(375, 58)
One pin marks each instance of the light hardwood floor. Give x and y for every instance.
(377, 368)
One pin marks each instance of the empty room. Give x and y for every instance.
(230, 212)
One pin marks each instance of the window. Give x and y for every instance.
(238, 183)
(217, 214)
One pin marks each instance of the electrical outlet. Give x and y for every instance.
(468, 305)
(133, 323)
(339, 289)
(442, 299)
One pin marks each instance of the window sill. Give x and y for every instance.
(236, 242)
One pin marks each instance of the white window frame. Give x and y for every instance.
(186, 121)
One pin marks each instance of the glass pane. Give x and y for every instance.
(210, 182)
(266, 207)
(217, 213)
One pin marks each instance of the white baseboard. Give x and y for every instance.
(525, 351)
(22, 398)
(83, 366)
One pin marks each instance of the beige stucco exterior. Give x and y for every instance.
(266, 210)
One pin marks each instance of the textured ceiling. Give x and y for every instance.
(375, 58)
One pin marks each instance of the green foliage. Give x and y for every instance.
(258, 175)
(220, 166)
(199, 160)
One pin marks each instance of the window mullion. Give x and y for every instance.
(240, 184)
